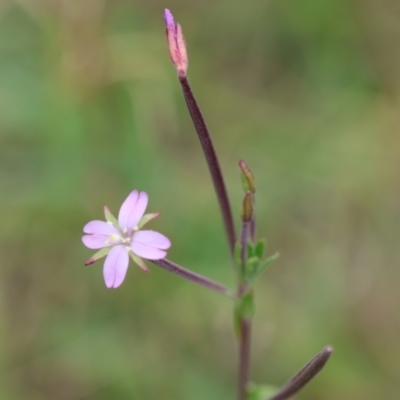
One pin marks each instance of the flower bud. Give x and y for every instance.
(176, 44)
(248, 209)
(248, 180)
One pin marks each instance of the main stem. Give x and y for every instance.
(244, 339)
(212, 160)
(244, 358)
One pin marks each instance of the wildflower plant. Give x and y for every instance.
(119, 239)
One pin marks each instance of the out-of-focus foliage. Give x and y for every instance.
(307, 92)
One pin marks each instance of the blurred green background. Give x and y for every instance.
(306, 91)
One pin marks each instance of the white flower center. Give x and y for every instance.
(119, 238)
(113, 238)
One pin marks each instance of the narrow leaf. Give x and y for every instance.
(260, 268)
(259, 248)
(251, 248)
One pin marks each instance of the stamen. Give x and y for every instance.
(112, 239)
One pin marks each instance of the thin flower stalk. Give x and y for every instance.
(212, 161)
(193, 276)
(178, 53)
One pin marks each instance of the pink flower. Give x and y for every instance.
(119, 239)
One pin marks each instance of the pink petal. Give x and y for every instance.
(126, 207)
(132, 210)
(152, 238)
(115, 266)
(148, 252)
(96, 241)
(100, 228)
(150, 245)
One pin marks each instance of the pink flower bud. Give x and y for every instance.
(176, 44)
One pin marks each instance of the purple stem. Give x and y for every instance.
(246, 234)
(253, 226)
(193, 276)
(244, 238)
(244, 323)
(298, 381)
(244, 358)
(212, 160)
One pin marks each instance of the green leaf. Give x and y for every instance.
(252, 265)
(259, 248)
(257, 269)
(251, 249)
